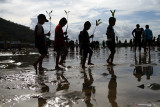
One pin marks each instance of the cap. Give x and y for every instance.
(40, 16)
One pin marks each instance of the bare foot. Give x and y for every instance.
(41, 69)
(57, 68)
(83, 67)
(90, 63)
(61, 64)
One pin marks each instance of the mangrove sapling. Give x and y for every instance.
(67, 12)
(98, 22)
(49, 14)
(113, 12)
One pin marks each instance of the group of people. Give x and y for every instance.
(146, 36)
(60, 44)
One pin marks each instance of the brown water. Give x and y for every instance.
(96, 86)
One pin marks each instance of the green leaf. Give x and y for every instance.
(65, 11)
(99, 20)
(96, 23)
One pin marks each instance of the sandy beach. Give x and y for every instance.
(132, 82)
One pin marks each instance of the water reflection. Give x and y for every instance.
(112, 88)
(138, 72)
(63, 83)
(148, 69)
(143, 67)
(87, 88)
(44, 89)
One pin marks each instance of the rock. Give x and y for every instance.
(154, 86)
(141, 86)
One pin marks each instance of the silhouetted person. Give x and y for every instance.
(60, 44)
(131, 43)
(111, 39)
(40, 41)
(112, 88)
(84, 41)
(149, 35)
(137, 33)
(87, 88)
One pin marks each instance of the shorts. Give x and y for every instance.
(62, 50)
(111, 46)
(148, 41)
(86, 50)
(42, 50)
(138, 42)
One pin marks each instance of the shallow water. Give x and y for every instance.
(127, 84)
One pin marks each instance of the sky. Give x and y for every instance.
(128, 14)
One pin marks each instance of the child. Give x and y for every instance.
(60, 44)
(111, 39)
(40, 41)
(85, 44)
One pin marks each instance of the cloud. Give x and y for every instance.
(128, 14)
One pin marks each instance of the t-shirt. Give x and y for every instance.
(111, 36)
(84, 38)
(138, 33)
(59, 37)
(39, 40)
(148, 33)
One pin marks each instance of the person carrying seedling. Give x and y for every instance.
(85, 44)
(40, 41)
(60, 44)
(111, 38)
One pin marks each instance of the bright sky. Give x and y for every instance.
(128, 14)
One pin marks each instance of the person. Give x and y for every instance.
(149, 35)
(137, 33)
(112, 88)
(40, 41)
(88, 89)
(85, 44)
(111, 40)
(60, 44)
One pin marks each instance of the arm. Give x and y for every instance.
(133, 32)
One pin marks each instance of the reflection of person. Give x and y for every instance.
(40, 41)
(112, 88)
(138, 72)
(87, 88)
(149, 69)
(149, 36)
(44, 89)
(63, 83)
(137, 33)
(59, 44)
(85, 44)
(111, 39)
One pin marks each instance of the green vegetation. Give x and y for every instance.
(10, 31)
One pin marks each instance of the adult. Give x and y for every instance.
(137, 33)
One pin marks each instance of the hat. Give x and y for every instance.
(42, 16)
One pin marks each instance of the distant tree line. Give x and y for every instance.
(10, 31)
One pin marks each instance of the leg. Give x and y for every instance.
(41, 60)
(84, 58)
(57, 60)
(90, 56)
(63, 57)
